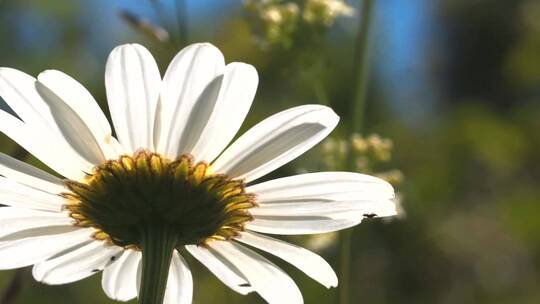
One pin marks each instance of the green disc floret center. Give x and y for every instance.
(124, 198)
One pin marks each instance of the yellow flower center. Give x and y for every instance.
(123, 198)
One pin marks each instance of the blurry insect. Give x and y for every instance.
(369, 215)
(144, 26)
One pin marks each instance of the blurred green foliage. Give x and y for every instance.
(472, 165)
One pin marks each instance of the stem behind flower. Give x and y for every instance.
(13, 290)
(361, 66)
(157, 246)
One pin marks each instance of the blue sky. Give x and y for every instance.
(405, 31)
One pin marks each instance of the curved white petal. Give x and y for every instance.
(26, 174)
(119, 280)
(15, 220)
(19, 195)
(133, 83)
(310, 263)
(276, 141)
(20, 93)
(314, 207)
(272, 283)
(179, 283)
(322, 196)
(18, 90)
(74, 105)
(292, 225)
(224, 105)
(73, 128)
(343, 186)
(77, 264)
(45, 146)
(221, 268)
(187, 76)
(45, 244)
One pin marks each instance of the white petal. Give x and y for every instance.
(276, 141)
(314, 207)
(19, 195)
(336, 195)
(179, 283)
(68, 98)
(45, 146)
(185, 79)
(292, 225)
(344, 186)
(47, 119)
(119, 280)
(308, 262)
(73, 129)
(272, 283)
(371, 209)
(19, 91)
(15, 220)
(45, 244)
(221, 268)
(224, 105)
(26, 174)
(133, 82)
(77, 264)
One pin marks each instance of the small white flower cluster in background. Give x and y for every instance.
(277, 21)
(326, 11)
(363, 152)
(365, 155)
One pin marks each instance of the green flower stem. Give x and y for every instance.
(13, 289)
(157, 246)
(361, 66)
(345, 265)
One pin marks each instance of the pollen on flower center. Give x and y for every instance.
(122, 198)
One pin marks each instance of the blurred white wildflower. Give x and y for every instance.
(401, 213)
(322, 242)
(326, 11)
(279, 22)
(274, 20)
(393, 176)
(365, 155)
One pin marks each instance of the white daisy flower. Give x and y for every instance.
(129, 205)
